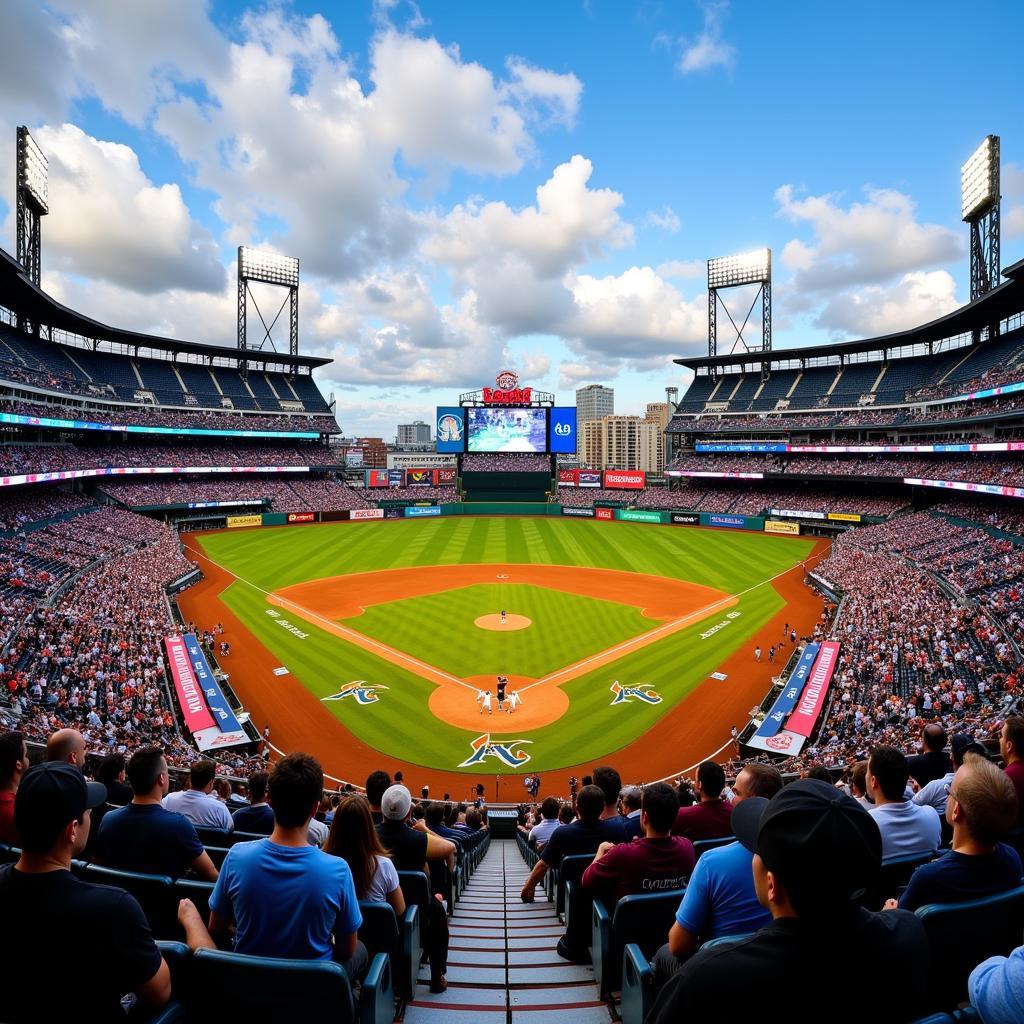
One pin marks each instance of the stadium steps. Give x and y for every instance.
(714, 390)
(502, 964)
(138, 376)
(878, 379)
(838, 378)
(78, 365)
(216, 383)
(799, 377)
(956, 366)
(177, 377)
(270, 384)
(295, 394)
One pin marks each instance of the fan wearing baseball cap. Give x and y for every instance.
(816, 852)
(93, 938)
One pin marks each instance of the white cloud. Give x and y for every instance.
(867, 242)
(708, 50)
(683, 270)
(1013, 193)
(874, 310)
(109, 222)
(553, 95)
(666, 219)
(573, 375)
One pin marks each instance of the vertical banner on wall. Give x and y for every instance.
(809, 707)
(187, 690)
(786, 701)
(451, 428)
(223, 716)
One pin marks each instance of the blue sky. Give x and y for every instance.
(537, 185)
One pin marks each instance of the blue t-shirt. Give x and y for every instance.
(149, 838)
(286, 901)
(720, 897)
(956, 877)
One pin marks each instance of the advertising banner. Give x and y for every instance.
(604, 513)
(451, 428)
(568, 477)
(783, 742)
(958, 485)
(354, 458)
(445, 477)
(588, 478)
(236, 521)
(580, 513)
(732, 521)
(746, 446)
(366, 513)
(394, 513)
(844, 517)
(414, 460)
(214, 739)
(396, 477)
(416, 511)
(786, 701)
(685, 518)
(301, 517)
(223, 716)
(418, 477)
(335, 516)
(636, 515)
(222, 504)
(376, 478)
(625, 479)
(562, 430)
(809, 707)
(774, 526)
(708, 473)
(186, 687)
(794, 513)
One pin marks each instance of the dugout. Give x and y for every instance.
(506, 487)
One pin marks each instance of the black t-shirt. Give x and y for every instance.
(578, 837)
(501, 690)
(407, 846)
(929, 766)
(791, 971)
(91, 941)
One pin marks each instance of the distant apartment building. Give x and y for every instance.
(375, 451)
(416, 432)
(659, 413)
(594, 402)
(621, 442)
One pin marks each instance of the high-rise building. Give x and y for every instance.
(620, 442)
(659, 413)
(594, 402)
(416, 432)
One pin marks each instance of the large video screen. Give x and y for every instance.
(507, 430)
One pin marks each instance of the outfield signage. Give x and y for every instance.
(634, 515)
(746, 446)
(301, 517)
(417, 511)
(233, 522)
(568, 477)
(844, 517)
(334, 516)
(17, 420)
(221, 504)
(625, 479)
(412, 460)
(959, 485)
(708, 473)
(187, 690)
(731, 521)
(604, 513)
(581, 513)
(774, 526)
(366, 513)
(795, 513)
(394, 513)
(812, 701)
(786, 701)
(685, 518)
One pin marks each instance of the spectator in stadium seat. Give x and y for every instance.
(859, 785)
(709, 818)
(1011, 748)
(936, 792)
(416, 849)
(720, 898)
(91, 942)
(376, 784)
(257, 818)
(433, 818)
(314, 913)
(197, 803)
(815, 853)
(656, 861)
(238, 797)
(632, 802)
(906, 827)
(981, 808)
(582, 836)
(67, 745)
(13, 765)
(541, 832)
(996, 988)
(144, 835)
(111, 773)
(608, 780)
(354, 838)
(933, 763)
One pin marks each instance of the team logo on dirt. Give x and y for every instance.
(625, 694)
(505, 752)
(363, 692)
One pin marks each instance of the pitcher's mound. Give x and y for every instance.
(511, 622)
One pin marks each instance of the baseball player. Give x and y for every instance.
(757, 653)
(484, 696)
(514, 700)
(502, 685)
(503, 617)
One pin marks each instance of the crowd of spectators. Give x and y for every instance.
(45, 377)
(1007, 371)
(506, 462)
(294, 495)
(29, 506)
(443, 495)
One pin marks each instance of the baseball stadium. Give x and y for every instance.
(534, 702)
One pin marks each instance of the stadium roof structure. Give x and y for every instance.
(30, 303)
(995, 306)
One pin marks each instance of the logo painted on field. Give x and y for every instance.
(505, 752)
(364, 692)
(642, 691)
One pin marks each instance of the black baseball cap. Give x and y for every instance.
(962, 744)
(49, 796)
(823, 845)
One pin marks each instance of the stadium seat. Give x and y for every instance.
(254, 989)
(199, 892)
(703, 845)
(213, 836)
(723, 940)
(416, 890)
(152, 891)
(571, 869)
(894, 877)
(382, 932)
(961, 935)
(217, 855)
(644, 920)
(638, 991)
(9, 854)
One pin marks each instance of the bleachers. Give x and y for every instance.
(199, 383)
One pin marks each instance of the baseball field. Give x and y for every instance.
(374, 642)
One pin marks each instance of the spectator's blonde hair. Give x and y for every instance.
(988, 799)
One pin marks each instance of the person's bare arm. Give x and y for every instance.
(681, 943)
(196, 935)
(397, 901)
(204, 868)
(440, 849)
(540, 869)
(157, 990)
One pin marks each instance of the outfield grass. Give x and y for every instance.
(400, 724)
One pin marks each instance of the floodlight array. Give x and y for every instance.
(33, 170)
(269, 267)
(979, 179)
(740, 268)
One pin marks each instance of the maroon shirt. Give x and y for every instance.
(1016, 773)
(642, 866)
(711, 820)
(8, 833)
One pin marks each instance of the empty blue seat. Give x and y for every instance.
(152, 891)
(703, 845)
(382, 932)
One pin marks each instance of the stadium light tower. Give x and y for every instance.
(734, 271)
(979, 207)
(269, 268)
(32, 202)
